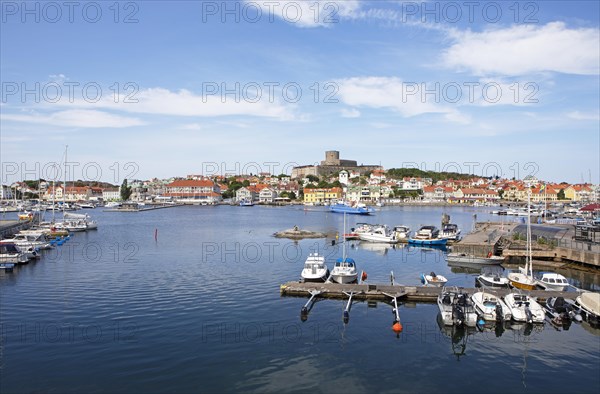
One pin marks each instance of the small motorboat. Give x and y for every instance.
(589, 302)
(524, 308)
(491, 307)
(427, 235)
(379, 233)
(456, 308)
(10, 253)
(433, 279)
(561, 311)
(450, 232)
(344, 271)
(552, 281)
(315, 269)
(470, 259)
(492, 278)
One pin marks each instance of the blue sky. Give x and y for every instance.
(484, 87)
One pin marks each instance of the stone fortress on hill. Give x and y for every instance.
(331, 165)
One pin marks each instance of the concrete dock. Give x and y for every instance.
(10, 227)
(383, 292)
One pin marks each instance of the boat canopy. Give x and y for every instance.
(348, 261)
(75, 216)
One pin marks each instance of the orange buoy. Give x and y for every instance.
(397, 327)
(364, 276)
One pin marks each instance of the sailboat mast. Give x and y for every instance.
(529, 252)
(65, 181)
(344, 240)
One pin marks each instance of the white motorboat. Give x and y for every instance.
(112, 204)
(470, 259)
(77, 222)
(450, 232)
(433, 279)
(344, 271)
(38, 240)
(524, 308)
(456, 308)
(10, 253)
(552, 281)
(491, 307)
(492, 278)
(315, 269)
(402, 232)
(589, 303)
(379, 233)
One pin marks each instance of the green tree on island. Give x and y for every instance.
(125, 191)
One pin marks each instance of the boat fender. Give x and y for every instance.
(489, 255)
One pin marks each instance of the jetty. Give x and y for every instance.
(551, 242)
(386, 292)
(10, 227)
(134, 207)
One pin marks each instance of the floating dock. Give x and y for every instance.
(385, 292)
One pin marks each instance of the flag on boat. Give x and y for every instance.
(542, 188)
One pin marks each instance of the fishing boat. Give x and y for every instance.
(589, 302)
(357, 209)
(433, 279)
(450, 232)
(492, 278)
(490, 307)
(552, 281)
(523, 279)
(315, 269)
(344, 269)
(470, 259)
(379, 233)
(427, 235)
(456, 308)
(524, 308)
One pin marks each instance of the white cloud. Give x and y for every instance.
(159, 101)
(393, 93)
(526, 49)
(77, 118)
(577, 115)
(301, 13)
(350, 113)
(191, 126)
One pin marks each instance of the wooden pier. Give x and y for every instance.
(386, 292)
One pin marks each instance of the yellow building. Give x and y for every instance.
(312, 196)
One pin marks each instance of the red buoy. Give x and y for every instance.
(397, 327)
(364, 276)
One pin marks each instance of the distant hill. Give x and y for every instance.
(399, 173)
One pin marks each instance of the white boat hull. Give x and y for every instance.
(344, 278)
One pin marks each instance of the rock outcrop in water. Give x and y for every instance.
(296, 233)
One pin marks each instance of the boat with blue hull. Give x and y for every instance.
(428, 235)
(359, 209)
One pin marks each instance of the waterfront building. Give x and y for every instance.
(6, 193)
(194, 191)
(582, 192)
(267, 195)
(473, 195)
(437, 193)
(250, 193)
(322, 195)
(111, 194)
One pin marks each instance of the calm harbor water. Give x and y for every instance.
(198, 309)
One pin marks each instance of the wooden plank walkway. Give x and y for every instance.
(384, 292)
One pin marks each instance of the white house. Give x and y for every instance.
(113, 194)
(267, 195)
(247, 193)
